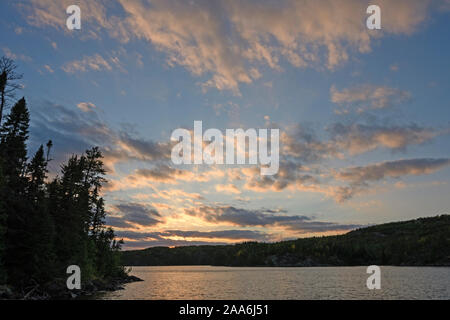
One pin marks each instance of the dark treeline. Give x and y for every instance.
(45, 226)
(421, 242)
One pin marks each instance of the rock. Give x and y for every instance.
(99, 284)
(109, 287)
(6, 292)
(89, 287)
(55, 287)
(132, 279)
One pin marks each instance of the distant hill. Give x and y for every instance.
(420, 242)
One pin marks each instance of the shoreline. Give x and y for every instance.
(299, 266)
(57, 289)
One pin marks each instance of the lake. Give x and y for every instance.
(227, 283)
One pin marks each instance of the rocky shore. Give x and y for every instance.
(57, 289)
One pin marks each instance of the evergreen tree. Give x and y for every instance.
(66, 209)
(42, 229)
(108, 258)
(13, 152)
(2, 228)
(3, 82)
(47, 226)
(79, 216)
(14, 134)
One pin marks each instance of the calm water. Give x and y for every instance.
(204, 282)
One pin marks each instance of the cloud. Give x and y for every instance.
(189, 236)
(301, 167)
(240, 217)
(50, 13)
(223, 234)
(392, 169)
(304, 145)
(445, 5)
(142, 244)
(117, 222)
(16, 56)
(145, 150)
(394, 67)
(48, 68)
(86, 106)
(223, 214)
(162, 173)
(359, 178)
(364, 97)
(227, 189)
(318, 227)
(70, 130)
(290, 175)
(135, 214)
(229, 40)
(73, 130)
(193, 35)
(166, 174)
(134, 235)
(91, 63)
(174, 194)
(264, 218)
(196, 34)
(360, 138)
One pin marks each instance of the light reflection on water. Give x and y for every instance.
(205, 282)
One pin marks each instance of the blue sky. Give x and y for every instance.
(363, 114)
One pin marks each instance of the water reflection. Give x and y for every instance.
(205, 282)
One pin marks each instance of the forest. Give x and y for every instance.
(47, 224)
(420, 242)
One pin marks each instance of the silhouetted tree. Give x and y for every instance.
(47, 226)
(42, 229)
(14, 133)
(78, 212)
(2, 227)
(13, 136)
(8, 82)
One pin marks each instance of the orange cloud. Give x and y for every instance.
(228, 40)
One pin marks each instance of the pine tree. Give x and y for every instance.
(78, 211)
(47, 226)
(42, 228)
(3, 82)
(2, 228)
(65, 197)
(14, 134)
(13, 152)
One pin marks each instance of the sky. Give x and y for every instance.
(363, 114)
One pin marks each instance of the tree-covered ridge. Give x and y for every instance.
(45, 226)
(420, 242)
